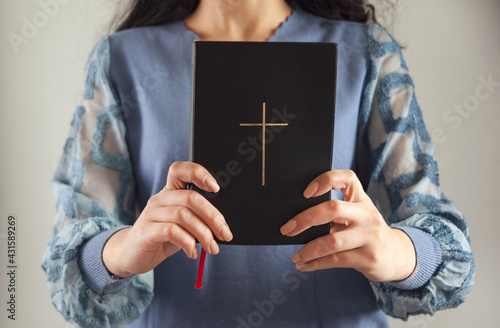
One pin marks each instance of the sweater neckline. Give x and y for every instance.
(278, 33)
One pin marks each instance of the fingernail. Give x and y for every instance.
(226, 233)
(296, 258)
(311, 189)
(194, 255)
(214, 248)
(299, 266)
(211, 183)
(288, 227)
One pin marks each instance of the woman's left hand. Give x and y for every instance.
(359, 237)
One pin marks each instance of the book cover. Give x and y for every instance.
(262, 124)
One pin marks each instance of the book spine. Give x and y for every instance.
(335, 71)
(193, 79)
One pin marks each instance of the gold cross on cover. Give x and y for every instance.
(264, 125)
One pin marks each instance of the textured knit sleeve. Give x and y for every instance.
(402, 180)
(94, 188)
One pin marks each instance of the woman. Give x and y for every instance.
(396, 243)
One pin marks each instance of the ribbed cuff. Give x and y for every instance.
(94, 273)
(429, 259)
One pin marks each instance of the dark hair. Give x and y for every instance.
(155, 12)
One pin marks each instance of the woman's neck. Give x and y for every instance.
(237, 20)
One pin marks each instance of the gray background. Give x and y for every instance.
(450, 45)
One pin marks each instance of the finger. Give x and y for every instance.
(185, 218)
(336, 211)
(347, 259)
(199, 205)
(344, 180)
(161, 233)
(329, 244)
(181, 173)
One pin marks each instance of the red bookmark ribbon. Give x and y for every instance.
(201, 267)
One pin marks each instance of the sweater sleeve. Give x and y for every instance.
(94, 188)
(94, 272)
(401, 178)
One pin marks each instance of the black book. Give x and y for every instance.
(262, 124)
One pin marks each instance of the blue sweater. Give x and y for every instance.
(132, 122)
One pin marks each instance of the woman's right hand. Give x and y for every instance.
(173, 219)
